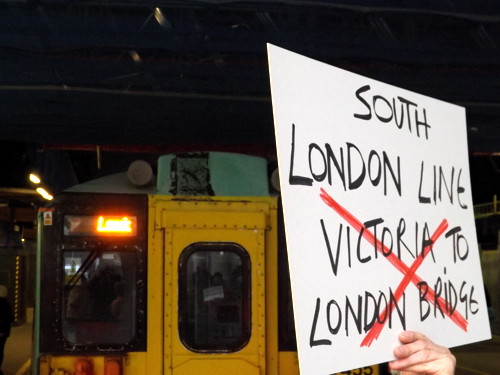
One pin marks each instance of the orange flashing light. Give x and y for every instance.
(112, 366)
(84, 366)
(123, 225)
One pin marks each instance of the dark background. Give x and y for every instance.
(88, 86)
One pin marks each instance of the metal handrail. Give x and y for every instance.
(487, 209)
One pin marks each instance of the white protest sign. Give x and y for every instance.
(378, 214)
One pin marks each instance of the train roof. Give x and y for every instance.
(198, 173)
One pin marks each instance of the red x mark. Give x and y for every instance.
(408, 272)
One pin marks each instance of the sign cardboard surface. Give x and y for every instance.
(378, 213)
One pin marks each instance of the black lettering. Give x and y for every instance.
(452, 296)
(399, 235)
(463, 299)
(386, 110)
(422, 292)
(408, 104)
(427, 242)
(384, 246)
(369, 224)
(369, 324)
(472, 301)
(399, 123)
(397, 180)
(368, 115)
(330, 156)
(356, 315)
(422, 199)
(318, 177)
(335, 330)
(422, 123)
(333, 262)
(442, 181)
(312, 340)
(381, 118)
(437, 294)
(292, 179)
(457, 239)
(359, 181)
(375, 181)
(366, 259)
(382, 298)
(393, 303)
(460, 191)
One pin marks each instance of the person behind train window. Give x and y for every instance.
(218, 281)
(102, 292)
(236, 283)
(6, 319)
(117, 304)
(78, 306)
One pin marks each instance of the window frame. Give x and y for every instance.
(103, 323)
(246, 299)
(52, 243)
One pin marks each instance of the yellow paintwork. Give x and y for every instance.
(173, 224)
(289, 363)
(187, 222)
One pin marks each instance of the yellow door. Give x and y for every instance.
(214, 278)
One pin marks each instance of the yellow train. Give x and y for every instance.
(189, 276)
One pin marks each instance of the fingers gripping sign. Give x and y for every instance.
(418, 355)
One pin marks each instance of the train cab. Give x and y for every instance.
(187, 276)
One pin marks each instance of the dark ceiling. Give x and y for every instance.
(156, 76)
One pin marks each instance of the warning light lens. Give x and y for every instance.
(102, 225)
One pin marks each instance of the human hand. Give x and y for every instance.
(419, 355)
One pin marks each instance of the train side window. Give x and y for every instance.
(99, 297)
(214, 297)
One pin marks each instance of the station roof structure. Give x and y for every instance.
(142, 76)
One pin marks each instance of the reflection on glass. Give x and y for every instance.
(214, 297)
(99, 297)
